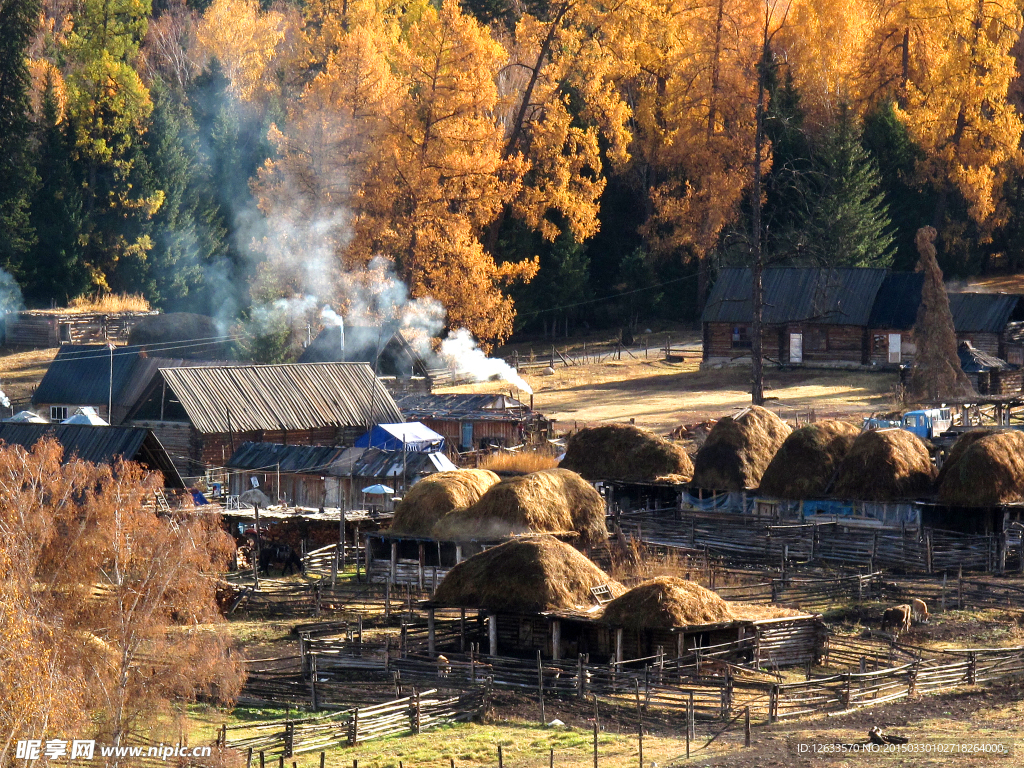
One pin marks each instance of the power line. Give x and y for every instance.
(608, 298)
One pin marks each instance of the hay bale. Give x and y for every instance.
(885, 465)
(987, 473)
(550, 501)
(524, 576)
(181, 334)
(805, 464)
(965, 441)
(624, 452)
(664, 603)
(438, 495)
(738, 450)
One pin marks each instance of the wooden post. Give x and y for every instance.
(960, 589)
(417, 712)
(394, 562)
(556, 640)
(419, 567)
(248, 758)
(687, 734)
(928, 550)
(492, 634)
(618, 645)
(691, 718)
(540, 686)
(746, 727)
(431, 640)
(972, 668)
(943, 598)
(387, 600)
(312, 683)
(462, 630)
(501, 758)
(595, 743)
(323, 756)
(261, 759)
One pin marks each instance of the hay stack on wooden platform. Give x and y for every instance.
(965, 441)
(437, 495)
(885, 465)
(625, 452)
(664, 603)
(987, 473)
(805, 464)
(739, 449)
(524, 576)
(550, 501)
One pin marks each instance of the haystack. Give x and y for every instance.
(804, 465)
(987, 473)
(965, 441)
(181, 334)
(885, 465)
(625, 452)
(664, 603)
(437, 495)
(551, 501)
(739, 449)
(524, 576)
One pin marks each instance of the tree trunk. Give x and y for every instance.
(757, 266)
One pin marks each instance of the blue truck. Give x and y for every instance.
(927, 424)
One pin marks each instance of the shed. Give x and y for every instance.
(204, 413)
(989, 374)
(981, 318)
(55, 327)
(470, 422)
(810, 314)
(98, 444)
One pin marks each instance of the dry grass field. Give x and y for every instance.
(21, 371)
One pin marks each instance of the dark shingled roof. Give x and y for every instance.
(981, 312)
(99, 445)
(976, 361)
(294, 397)
(417, 407)
(896, 302)
(795, 294)
(333, 462)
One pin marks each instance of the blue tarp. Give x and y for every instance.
(411, 436)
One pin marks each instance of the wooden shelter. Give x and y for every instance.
(56, 327)
(203, 414)
(473, 422)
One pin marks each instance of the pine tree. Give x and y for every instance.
(55, 271)
(845, 221)
(18, 20)
(188, 234)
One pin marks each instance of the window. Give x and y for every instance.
(741, 337)
(58, 412)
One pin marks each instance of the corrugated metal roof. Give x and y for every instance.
(334, 462)
(301, 459)
(896, 302)
(981, 312)
(298, 396)
(452, 407)
(796, 294)
(99, 445)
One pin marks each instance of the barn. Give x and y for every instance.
(55, 327)
(474, 422)
(203, 414)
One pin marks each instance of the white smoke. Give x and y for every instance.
(467, 358)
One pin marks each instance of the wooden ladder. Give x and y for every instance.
(162, 507)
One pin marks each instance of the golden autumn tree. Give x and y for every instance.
(108, 611)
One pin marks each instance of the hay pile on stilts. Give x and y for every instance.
(664, 603)
(551, 501)
(625, 452)
(885, 465)
(739, 449)
(989, 472)
(805, 464)
(524, 576)
(438, 495)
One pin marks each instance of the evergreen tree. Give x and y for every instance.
(844, 220)
(188, 234)
(18, 20)
(55, 271)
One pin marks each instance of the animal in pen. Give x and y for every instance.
(282, 555)
(897, 618)
(919, 610)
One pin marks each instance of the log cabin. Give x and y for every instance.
(475, 422)
(56, 327)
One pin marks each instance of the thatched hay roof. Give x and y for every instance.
(805, 464)
(664, 603)
(437, 495)
(625, 452)
(550, 501)
(738, 450)
(885, 465)
(524, 576)
(987, 473)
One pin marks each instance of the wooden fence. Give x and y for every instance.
(406, 715)
(744, 538)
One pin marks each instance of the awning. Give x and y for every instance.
(411, 436)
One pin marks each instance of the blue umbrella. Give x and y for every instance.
(378, 490)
